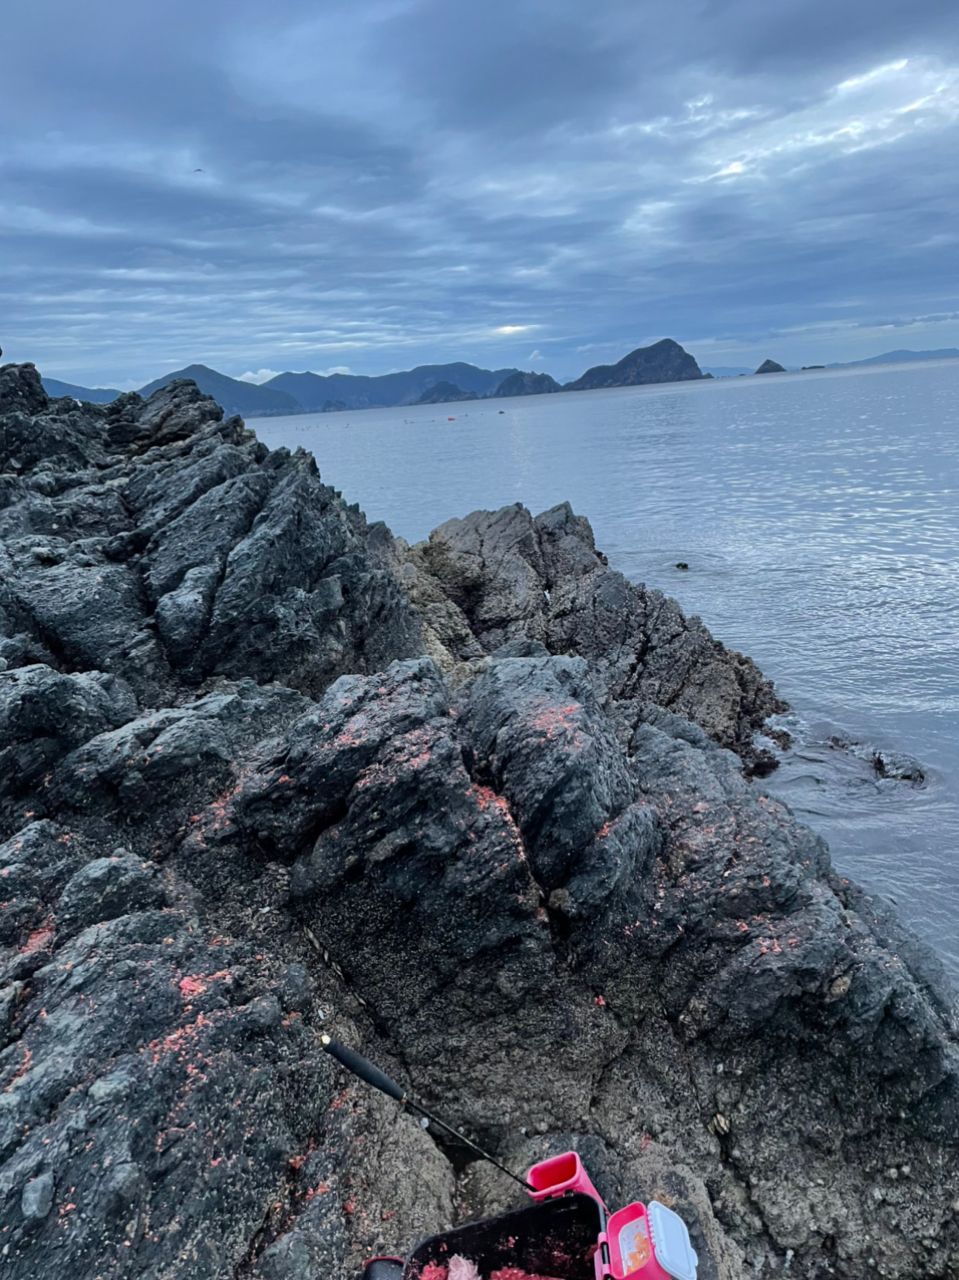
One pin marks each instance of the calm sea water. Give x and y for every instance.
(819, 516)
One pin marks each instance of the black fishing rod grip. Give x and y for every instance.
(363, 1068)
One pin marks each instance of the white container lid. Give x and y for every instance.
(671, 1244)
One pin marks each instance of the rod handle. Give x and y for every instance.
(362, 1068)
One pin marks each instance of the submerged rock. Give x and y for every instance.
(479, 807)
(896, 765)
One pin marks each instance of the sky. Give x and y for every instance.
(374, 184)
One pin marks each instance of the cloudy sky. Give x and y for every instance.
(371, 184)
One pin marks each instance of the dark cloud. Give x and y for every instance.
(374, 184)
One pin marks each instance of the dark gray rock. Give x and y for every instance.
(495, 577)
(770, 366)
(21, 390)
(45, 714)
(37, 1199)
(107, 888)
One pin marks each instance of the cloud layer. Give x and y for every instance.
(377, 183)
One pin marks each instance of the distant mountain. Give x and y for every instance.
(445, 392)
(92, 395)
(664, 361)
(232, 395)
(357, 391)
(290, 393)
(770, 366)
(901, 357)
(527, 384)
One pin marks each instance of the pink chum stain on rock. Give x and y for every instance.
(39, 939)
(195, 984)
(556, 722)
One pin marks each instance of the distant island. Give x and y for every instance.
(664, 361)
(287, 394)
(901, 356)
(527, 384)
(446, 393)
(887, 357)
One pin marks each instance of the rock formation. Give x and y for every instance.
(477, 806)
(770, 366)
(527, 384)
(664, 361)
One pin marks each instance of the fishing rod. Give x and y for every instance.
(372, 1075)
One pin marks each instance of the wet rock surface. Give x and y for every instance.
(480, 808)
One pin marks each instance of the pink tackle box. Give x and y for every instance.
(641, 1241)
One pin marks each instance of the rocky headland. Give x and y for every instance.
(479, 807)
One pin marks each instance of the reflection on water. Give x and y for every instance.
(818, 514)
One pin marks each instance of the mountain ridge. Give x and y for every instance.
(231, 394)
(92, 395)
(369, 391)
(292, 393)
(901, 356)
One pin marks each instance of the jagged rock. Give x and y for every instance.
(21, 391)
(88, 610)
(161, 1113)
(770, 366)
(497, 576)
(107, 888)
(37, 1199)
(45, 714)
(479, 808)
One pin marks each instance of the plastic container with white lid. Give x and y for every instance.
(671, 1244)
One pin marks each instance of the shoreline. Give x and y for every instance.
(491, 779)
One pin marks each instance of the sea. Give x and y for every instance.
(818, 514)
